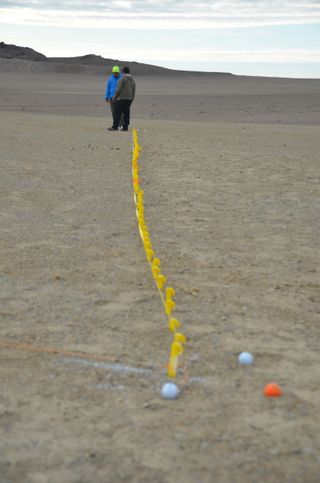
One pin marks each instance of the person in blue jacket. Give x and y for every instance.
(111, 88)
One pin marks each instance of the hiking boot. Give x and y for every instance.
(112, 129)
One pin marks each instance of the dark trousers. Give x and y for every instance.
(113, 111)
(122, 107)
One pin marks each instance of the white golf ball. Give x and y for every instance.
(245, 358)
(170, 391)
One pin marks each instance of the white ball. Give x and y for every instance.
(245, 358)
(170, 391)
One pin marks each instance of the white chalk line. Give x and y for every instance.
(123, 370)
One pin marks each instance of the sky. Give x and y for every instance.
(247, 37)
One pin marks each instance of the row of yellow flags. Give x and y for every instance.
(166, 293)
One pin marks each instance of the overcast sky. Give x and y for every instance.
(254, 37)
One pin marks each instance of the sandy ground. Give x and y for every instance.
(205, 99)
(233, 209)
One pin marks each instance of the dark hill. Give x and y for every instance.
(11, 57)
(97, 60)
(89, 59)
(8, 51)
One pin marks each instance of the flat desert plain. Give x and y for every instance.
(230, 168)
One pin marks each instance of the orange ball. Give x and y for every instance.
(272, 390)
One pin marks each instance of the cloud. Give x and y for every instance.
(159, 14)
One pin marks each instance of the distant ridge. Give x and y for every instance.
(99, 61)
(8, 51)
(90, 59)
(24, 59)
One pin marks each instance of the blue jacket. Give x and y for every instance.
(112, 86)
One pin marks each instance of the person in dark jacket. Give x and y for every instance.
(111, 88)
(123, 98)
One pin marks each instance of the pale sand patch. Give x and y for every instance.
(233, 210)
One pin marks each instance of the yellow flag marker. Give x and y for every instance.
(176, 351)
(161, 280)
(170, 292)
(179, 337)
(147, 246)
(174, 325)
(155, 272)
(150, 254)
(169, 306)
(156, 262)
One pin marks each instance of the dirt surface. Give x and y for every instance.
(189, 98)
(233, 210)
